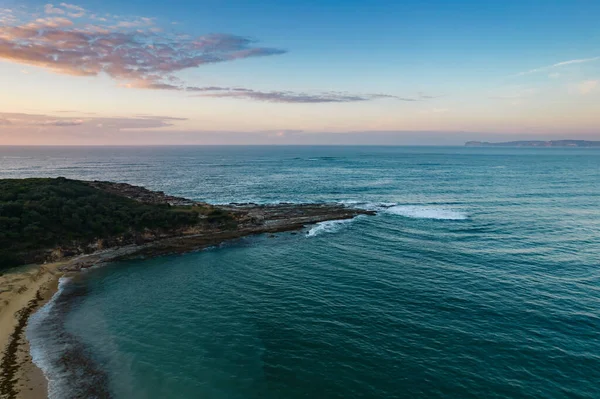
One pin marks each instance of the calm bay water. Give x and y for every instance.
(480, 277)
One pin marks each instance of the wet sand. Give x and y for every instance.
(22, 292)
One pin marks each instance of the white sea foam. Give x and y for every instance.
(426, 212)
(330, 226)
(439, 212)
(41, 350)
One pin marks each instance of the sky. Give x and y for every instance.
(413, 72)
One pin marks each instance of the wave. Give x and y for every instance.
(64, 360)
(426, 212)
(411, 211)
(42, 351)
(439, 212)
(330, 226)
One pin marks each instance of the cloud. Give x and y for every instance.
(209, 88)
(71, 7)
(588, 86)
(137, 55)
(424, 96)
(62, 122)
(288, 97)
(129, 51)
(74, 10)
(50, 9)
(558, 65)
(291, 97)
(149, 84)
(136, 23)
(21, 120)
(161, 117)
(579, 61)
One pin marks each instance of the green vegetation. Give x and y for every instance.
(219, 216)
(209, 214)
(45, 213)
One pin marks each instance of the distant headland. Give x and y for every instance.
(535, 143)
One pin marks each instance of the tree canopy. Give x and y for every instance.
(44, 213)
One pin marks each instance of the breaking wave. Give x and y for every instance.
(412, 211)
(330, 226)
(64, 360)
(43, 352)
(426, 212)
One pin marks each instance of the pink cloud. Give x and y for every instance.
(22, 121)
(137, 55)
(50, 9)
(149, 84)
(132, 52)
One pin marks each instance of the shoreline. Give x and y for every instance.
(31, 287)
(27, 291)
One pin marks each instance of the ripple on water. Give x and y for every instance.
(473, 281)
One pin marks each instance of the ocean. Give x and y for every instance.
(478, 278)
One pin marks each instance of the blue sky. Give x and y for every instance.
(514, 69)
(337, 40)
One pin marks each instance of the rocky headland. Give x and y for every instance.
(63, 226)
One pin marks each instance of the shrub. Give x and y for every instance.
(45, 213)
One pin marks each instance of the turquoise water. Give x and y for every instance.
(480, 277)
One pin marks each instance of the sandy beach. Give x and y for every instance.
(24, 290)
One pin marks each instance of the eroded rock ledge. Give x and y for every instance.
(238, 220)
(141, 194)
(45, 220)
